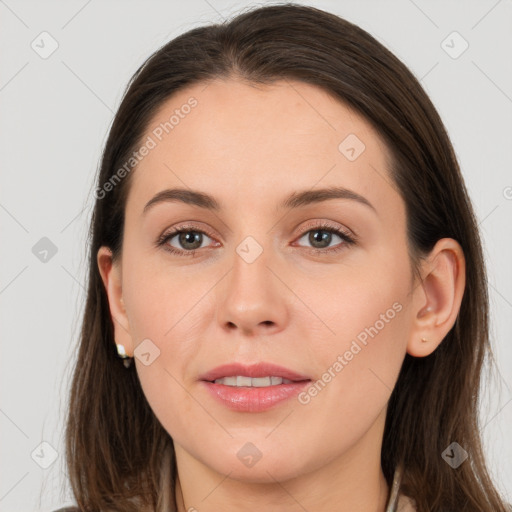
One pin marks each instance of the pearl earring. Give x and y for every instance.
(121, 352)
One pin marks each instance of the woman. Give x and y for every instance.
(285, 258)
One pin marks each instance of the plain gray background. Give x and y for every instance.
(55, 113)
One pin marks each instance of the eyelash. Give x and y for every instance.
(347, 239)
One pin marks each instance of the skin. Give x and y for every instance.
(251, 146)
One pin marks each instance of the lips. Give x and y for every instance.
(254, 371)
(261, 395)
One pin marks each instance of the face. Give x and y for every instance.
(277, 274)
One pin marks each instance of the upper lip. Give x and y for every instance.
(262, 369)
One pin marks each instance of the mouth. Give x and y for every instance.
(253, 388)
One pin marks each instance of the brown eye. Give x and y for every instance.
(187, 241)
(322, 237)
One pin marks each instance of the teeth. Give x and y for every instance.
(243, 381)
(262, 382)
(256, 382)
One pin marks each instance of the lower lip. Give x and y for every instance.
(252, 399)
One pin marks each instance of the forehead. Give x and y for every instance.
(234, 139)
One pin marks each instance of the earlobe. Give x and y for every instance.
(111, 277)
(437, 299)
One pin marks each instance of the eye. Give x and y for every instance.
(188, 240)
(321, 236)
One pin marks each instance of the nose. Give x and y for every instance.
(253, 300)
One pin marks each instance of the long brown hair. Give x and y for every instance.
(118, 454)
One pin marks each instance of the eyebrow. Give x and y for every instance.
(294, 200)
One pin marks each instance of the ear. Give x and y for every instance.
(437, 298)
(111, 276)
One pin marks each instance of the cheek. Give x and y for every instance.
(162, 307)
(358, 361)
(364, 303)
(160, 299)
(354, 382)
(167, 399)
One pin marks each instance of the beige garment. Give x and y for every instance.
(399, 502)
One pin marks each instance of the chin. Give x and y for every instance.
(248, 464)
